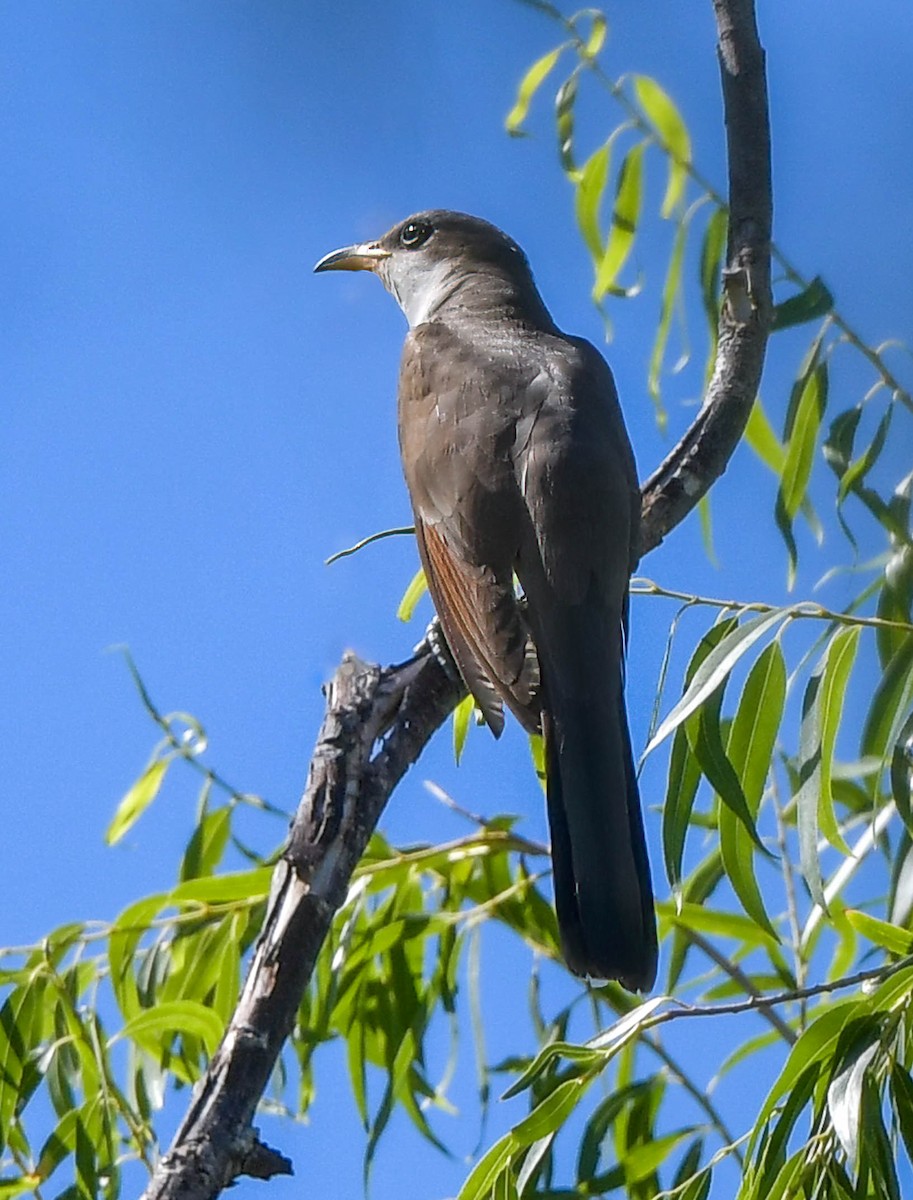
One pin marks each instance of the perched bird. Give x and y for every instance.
(518, 465)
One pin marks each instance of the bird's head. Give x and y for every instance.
(427, 259)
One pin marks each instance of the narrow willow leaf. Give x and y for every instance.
(207, 843)
(550, 1113)
(670, 296)
(822, 706)
(704, 733)
(482, 1177)
(684, 770)
(713, 248)
(857, 470)
(529, 85)
(882, 933)
(681, 792)
(696, 890)
(812, 302)
(137, 799)
(462, 717)
(890, 704)
(596, 39)
(803, 424)
(800, 448)
(644, 1159)
(564, 122)
(412, 595)
(722, 924)
(816, 1044)
(154, 1028)
(715, 668)
(223, 889)
(588, 198)
(844, 1093)
(625, 217)
(902, 1093)
(760, 436)
(876, 1168)
(673, 136)
(750, 749)
(901, 771)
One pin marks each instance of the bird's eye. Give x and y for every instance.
(414, 234)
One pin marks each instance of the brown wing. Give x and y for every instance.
(484, 630)
(467, 505)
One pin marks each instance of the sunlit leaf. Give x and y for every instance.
(882, 933)
(752, 737)
(462, 718)
(137, 799)
(673, 135)
(588, 198)
(529, 85)
(625, 218)
(156, 1027)
(822, 706)
(412, 595)
(715, 668)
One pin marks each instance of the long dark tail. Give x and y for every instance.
(603, 890)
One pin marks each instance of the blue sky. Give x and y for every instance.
(193, 422)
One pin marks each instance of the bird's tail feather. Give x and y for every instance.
(603, 891)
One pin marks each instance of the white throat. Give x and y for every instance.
(419, 290)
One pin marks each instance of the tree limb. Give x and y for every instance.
(378, 720)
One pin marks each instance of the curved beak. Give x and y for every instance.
(354, 258)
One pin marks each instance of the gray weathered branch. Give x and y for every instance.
(378, 720)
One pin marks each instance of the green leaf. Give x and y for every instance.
(822, 706)
(901, 770)
(888, 710)
(643, 1160)
(412, 595)
(704, 735)
(716, 668)
(462, 718)
(750, 749)
(625, 217)
(529, 85)
(207, 843)
(722, 924)
(803, 424)
(681, 792)
(815, 1045)
(223, 889)
(812, 302)
(155, 1028)
(902, 1093)
(551, 1113)
(844, 1093)
(564, 123)
(713, 247)
(684, 770)
(760, 436)
(882, 933)
(137, 799)
(588, 198)
(673, 136)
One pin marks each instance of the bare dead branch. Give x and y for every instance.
(378, 720)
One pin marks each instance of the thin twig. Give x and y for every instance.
(735, 972)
